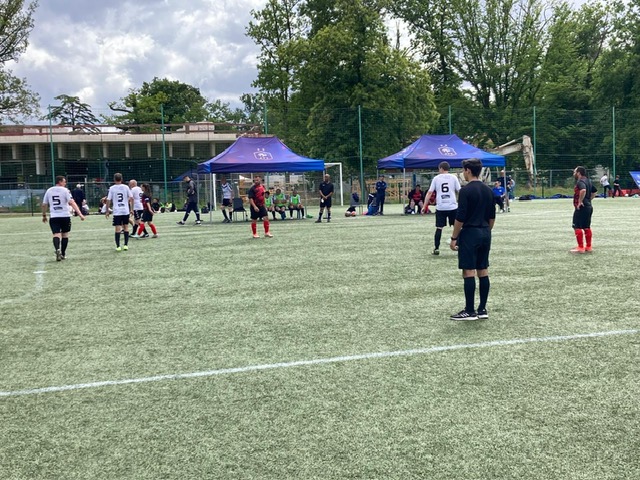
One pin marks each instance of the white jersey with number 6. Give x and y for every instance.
(446, 185)
(58, 199)
(119, 194)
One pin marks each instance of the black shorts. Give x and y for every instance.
(326, 203)
(443, 215)
(474, 245)
(147, 216)
(261, 213)
(226, 202)
(60, 224)
(137, 214)
(119, 220)
(582, 217)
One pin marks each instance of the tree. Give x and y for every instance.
(16, 23)
(72, 111)
(182, 103)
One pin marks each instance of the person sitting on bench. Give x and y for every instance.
(295, 203)
(280, 203)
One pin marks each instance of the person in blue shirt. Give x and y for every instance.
(381, 192)
(498, 195)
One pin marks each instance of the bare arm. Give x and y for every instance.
(74, 205)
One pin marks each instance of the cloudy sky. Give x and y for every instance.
(100, 49)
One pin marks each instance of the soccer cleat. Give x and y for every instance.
(58, 255)
(463, 315)
(125, 248)
(318, 221)
(64, 257)
(328, 220)
(155, 235)
(118, 249)
(180, 222)
(588, 249)
(577, 250)
(435, 252)
(198, 222)
(268, 234)
(483, 314)
(255, 235)
(146, 235)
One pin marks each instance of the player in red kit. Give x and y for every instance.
(258, 210)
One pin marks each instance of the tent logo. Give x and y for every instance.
(447, 151)
(260, 154)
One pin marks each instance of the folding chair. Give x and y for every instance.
(238, 207)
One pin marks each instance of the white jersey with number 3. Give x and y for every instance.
(58, 199)
(119, 194)
(446, 185)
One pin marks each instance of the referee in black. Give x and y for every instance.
(326, 192)
(472, 239)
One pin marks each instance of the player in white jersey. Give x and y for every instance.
(58, 200)
(227, 199)
(446, 187)
(121, 198)
(138, 208)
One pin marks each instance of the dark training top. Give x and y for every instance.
(326, 188)
(475, 205)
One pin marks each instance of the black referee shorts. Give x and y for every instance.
(474, 245)
(582, 217)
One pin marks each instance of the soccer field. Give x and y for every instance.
(325, 352)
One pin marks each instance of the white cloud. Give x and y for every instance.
(100, 50)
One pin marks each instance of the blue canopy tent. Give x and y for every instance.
(429, 150)
(259, 154)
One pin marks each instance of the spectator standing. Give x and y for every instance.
(122, 199)
(326, 193)
(583, 192)
(616, 186)
(258, 210)
(78, 196)
(192, 201)
(507, 183)
(446, 187)
(227, 199)
(57, 200)
(472, 239)
(381, 193)
(606, 187)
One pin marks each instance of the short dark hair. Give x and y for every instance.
(582, 171)
(474, 165)
(444, 166)
(59, 178)
(117, 177)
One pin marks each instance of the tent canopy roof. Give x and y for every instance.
(429, 150)
(263, 154)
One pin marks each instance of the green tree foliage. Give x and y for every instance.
(342, 60)
(72, 111)
(16, 22)
(181, 103)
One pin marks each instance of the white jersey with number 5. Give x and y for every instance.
(58, 199)
(119, 194)
(446, 185)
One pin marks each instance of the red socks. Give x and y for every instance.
(254, 228)
(587, 234)
(266, 226)
(153, 228)
(579, 237)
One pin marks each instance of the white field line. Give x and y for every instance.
(319, 361)
(37, 288)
